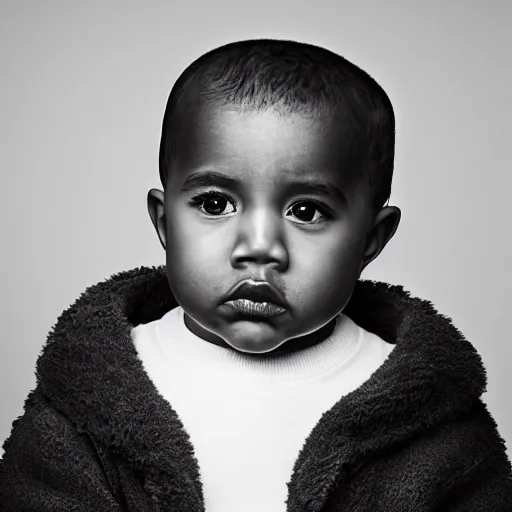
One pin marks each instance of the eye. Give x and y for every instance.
(212, 203)
(308, 212)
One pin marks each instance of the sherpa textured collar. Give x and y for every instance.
(89, 370)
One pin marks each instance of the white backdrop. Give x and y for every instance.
(83, 90)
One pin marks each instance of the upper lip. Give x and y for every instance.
(257, 291)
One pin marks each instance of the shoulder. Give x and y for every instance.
(460, 460)
(455, 466)
(478, 473)
(46, 458)
(41, 430)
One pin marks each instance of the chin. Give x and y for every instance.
(254, 345)
(254, 349)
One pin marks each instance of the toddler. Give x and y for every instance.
(255, 371)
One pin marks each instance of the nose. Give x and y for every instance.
(260, 241)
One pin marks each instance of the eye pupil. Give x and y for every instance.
(304, 211)
(218, 207)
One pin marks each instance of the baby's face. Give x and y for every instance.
(265, 218)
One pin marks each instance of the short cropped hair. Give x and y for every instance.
(304, 78)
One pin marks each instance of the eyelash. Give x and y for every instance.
(198, 200)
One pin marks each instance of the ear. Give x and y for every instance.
(156, 208)
(384, 227)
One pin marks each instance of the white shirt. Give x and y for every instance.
(247, 415)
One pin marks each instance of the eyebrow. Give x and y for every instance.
(210, 178)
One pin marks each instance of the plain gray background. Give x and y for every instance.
(83, 91)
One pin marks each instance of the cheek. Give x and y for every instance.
(192, 263)
(192, 283)
(342, 247)
(194, 240)
(184, 242)
(332, 278)
(330, 267)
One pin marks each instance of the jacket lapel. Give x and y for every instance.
(89, 370)
(432, 376)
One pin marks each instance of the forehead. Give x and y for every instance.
(265, 144)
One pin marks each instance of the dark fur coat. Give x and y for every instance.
(96, 435)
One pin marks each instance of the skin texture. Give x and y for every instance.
(262, 227)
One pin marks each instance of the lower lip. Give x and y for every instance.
(248, 307)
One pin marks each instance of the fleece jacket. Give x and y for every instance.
(96, 435)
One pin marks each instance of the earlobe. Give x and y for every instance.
(385, 225)
(156, 209)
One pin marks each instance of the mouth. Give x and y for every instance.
(256, 298)
(248, 307)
